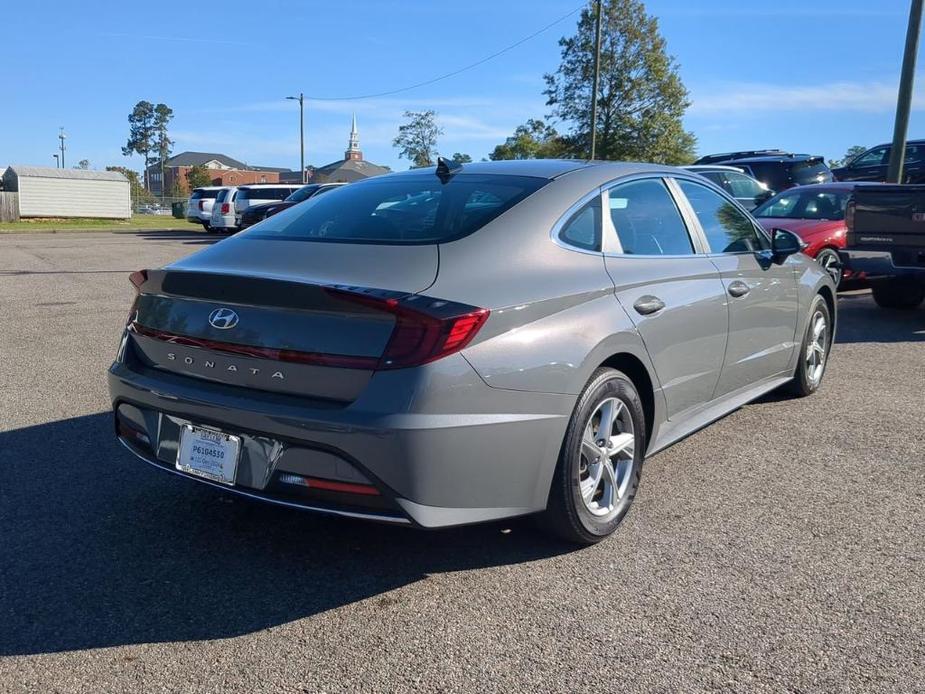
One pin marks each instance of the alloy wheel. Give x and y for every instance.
(816, 348)
(830, 263)
(606, 463)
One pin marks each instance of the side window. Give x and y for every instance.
(914, 154)
(583, 229)
(727, 228)
(647, 220)
(741, 186)
(875, 157)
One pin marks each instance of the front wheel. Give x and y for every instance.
(814, 350)
(600, 462)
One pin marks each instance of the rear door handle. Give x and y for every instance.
(738, 289)
(648, 304)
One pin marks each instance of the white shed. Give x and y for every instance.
(47, 192)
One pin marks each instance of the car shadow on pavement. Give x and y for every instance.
(98, 549)
(188, 238)
(861, 320)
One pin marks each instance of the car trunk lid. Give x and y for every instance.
(272, 315)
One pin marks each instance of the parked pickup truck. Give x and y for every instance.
(886, 241)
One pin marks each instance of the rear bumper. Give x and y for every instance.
(432, 469)
(877, 265)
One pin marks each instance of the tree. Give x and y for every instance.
(136, 190)
(641, 100)
(162, 142)
(852, 152)
(141, 135)
(198, 176)
(460, 158)
(417, 138)
(83, 164)
(532, 140)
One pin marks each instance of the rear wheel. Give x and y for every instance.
(207, 227)
(814, 350)
(898, 293)
(600, 461)
(831, 263)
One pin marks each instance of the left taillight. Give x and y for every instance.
(426, 329)
(202, 205)
(137, 278)
(226, 208)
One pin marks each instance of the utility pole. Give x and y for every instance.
(904, 100)
(62, 137)
(597, 76)
(301, 99)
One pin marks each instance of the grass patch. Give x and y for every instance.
(138, 221)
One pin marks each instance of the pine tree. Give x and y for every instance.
(641, 100)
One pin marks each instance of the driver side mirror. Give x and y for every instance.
(784, 244)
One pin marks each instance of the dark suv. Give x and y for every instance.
(781, 171)
(872, 165)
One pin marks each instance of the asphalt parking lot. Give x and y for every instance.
(781, 549)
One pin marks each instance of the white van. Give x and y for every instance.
(199, 206)
(260, 194)
(223, 217)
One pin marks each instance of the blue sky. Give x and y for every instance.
(814, 76)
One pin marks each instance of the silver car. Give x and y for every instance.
(468, 343)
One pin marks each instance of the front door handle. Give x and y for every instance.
(648, 304)
(738, 289)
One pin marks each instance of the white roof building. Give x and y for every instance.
(48, 192)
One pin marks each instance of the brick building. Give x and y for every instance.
(223, 170)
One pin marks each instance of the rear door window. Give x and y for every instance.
(646, 219)
(742, 186)
(727, 228)
(414, 209)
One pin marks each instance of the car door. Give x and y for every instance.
(669, 288)
(762, 295)
(870, 166)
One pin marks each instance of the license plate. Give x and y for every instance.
(208, 453)
(918, 216)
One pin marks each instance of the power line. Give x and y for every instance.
(449, 74)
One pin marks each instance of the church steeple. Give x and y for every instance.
(353, 148)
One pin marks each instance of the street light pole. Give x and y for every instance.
(62, 137)
(904, 100)
(57, 161)
(597, 77)
(301, 99)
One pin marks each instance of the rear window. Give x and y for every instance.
(264, 193)
(810, 171)
(413, 209)
(199, 194)
(222, 194)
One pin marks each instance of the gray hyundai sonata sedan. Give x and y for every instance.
(466, 343)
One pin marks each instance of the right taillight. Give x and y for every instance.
(202, 205)
(849, 215)
(426, 329)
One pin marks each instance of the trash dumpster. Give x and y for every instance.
(178, 209)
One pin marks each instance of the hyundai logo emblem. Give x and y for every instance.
(223, 318)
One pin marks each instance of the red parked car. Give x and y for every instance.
(815, 213)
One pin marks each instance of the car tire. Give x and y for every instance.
(831, 263)
(588, 499)
(898, 293)
(207, 227)
(814, 350)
